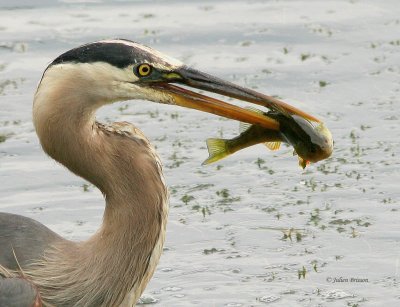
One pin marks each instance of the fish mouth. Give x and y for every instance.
(193, 78)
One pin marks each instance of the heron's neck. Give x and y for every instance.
(126, 169)
(124, 166)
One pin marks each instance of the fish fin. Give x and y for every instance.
(217, 150)
(273, 145)
(254, 109)
(245, 126)
(303, 163)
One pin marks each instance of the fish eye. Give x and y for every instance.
(143, 70)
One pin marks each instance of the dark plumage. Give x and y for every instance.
(117, 54)
(18, 292)
(17, 233)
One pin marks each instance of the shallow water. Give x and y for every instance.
(242, 231)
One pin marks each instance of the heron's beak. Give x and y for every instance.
(197, 79)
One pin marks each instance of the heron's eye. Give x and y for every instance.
(144, 70)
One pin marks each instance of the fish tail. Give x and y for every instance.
(217, 150)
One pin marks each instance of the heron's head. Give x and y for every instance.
(114, 70)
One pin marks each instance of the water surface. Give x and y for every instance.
(242, 231)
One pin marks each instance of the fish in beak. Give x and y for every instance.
(196, 79)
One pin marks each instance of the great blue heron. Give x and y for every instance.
(114, 266)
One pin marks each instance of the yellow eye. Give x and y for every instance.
(144, 70)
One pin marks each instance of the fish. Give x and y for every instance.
(311, 141)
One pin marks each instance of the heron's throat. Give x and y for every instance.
(64, 119)
(116, 158)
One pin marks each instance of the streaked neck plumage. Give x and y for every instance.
(113, 266)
